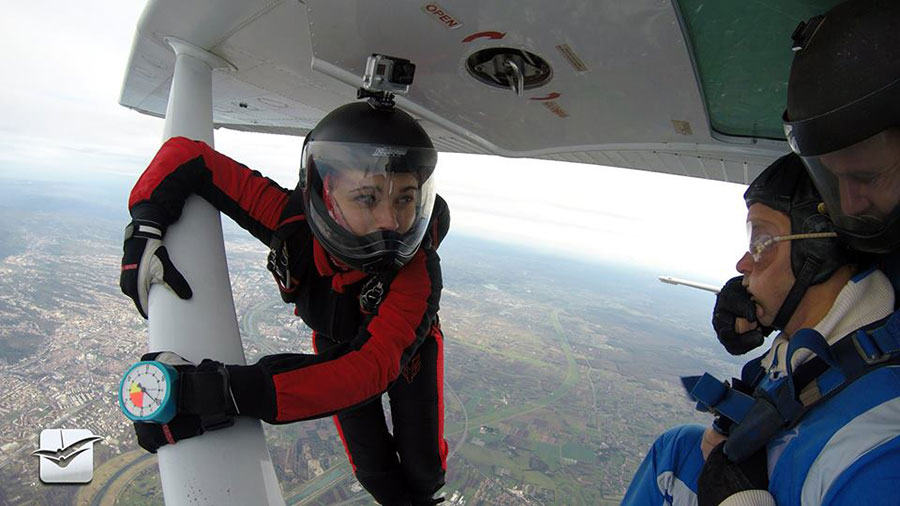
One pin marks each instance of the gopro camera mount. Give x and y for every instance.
(384, 77)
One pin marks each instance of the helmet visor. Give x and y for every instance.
(835, 129)
(860, 184)
(368, 199)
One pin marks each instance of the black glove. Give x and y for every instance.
(151, 436)
(721, 478)
(732, 302)
(203, 399)
(145, 261)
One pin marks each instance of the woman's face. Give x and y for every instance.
(364, 204)
(768, 281)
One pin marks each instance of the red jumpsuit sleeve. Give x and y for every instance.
(290, 387)
(183, 166)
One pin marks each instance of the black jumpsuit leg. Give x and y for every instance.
(372, 453)
(417, 412)
(370, 447)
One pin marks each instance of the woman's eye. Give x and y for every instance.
(404, 200)
(365, 199)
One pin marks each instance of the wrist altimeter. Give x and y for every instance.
(147, 392)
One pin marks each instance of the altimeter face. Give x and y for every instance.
(145, 392)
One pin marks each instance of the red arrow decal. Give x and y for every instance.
(551, 96)
(487, 35)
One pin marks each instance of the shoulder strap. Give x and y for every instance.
(374, 290)
(279, 262)
(783, 403)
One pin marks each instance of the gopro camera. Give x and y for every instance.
(388, 74)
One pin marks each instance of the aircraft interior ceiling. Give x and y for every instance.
(645, 84)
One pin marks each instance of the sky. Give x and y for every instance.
(63, 70)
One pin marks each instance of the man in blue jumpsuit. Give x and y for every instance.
(843, 119)
(799, 276)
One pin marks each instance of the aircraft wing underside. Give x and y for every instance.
(606, 82)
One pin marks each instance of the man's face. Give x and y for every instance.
(769, 280)
(868, 175)
(366, 204)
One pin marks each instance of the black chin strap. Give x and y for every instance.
(810, 267)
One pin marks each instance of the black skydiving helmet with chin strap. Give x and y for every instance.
(785, 186)
(843, 117)
(366, 177)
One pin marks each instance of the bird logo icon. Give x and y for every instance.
(66, 455)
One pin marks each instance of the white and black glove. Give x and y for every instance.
(146, 261)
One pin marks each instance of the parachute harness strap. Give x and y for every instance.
(777, 406)
(810, 266)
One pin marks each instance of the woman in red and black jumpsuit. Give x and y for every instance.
(369, 291)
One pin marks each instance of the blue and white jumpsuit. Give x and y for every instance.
(846, 450)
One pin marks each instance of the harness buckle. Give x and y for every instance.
(278, 264)
(868, 350)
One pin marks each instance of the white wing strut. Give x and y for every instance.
(693, 284)
(230, 466)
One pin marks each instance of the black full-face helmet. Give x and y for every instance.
(843, 117)
(816, 252)
(366, 178)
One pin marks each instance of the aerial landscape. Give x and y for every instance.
(558, 375)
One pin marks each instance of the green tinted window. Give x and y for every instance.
(742, 54)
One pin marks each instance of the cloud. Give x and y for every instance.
(63, 71)
(683, 225)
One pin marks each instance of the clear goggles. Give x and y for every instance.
(762, 243)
